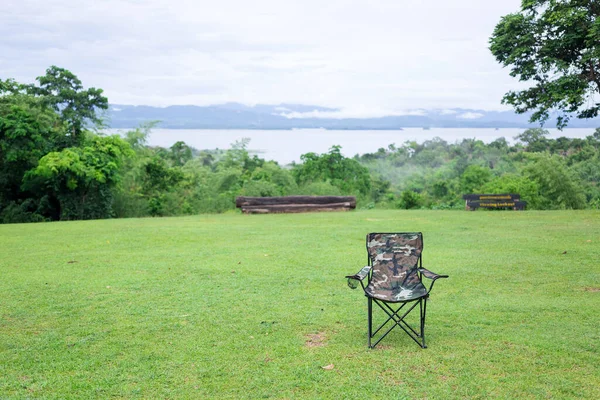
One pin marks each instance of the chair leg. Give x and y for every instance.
(397, 320)
(423, 311)
(370, 319)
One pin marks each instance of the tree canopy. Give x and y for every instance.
(47, 154)
(554, 45)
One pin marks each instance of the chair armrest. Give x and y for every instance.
(360, 275)
(431, 275)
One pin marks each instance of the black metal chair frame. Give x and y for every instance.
(393, 315)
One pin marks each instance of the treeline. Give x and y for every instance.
(182, 180)
(55, 164)
(548, 173)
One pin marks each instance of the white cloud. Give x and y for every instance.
(470, 115)
(448, 112)
(375, 55)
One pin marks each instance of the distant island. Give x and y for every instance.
(297, 116)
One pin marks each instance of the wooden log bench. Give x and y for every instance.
(494, 201)
(294, 204)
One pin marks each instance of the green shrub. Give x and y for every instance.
(319, 189)
(410, 200)
(20, 213)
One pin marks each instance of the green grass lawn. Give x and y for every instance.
(253, 306)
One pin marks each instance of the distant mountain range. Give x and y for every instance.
(290, 116)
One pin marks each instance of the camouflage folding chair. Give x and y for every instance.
(394, 276)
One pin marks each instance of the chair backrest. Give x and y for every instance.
(395, 258)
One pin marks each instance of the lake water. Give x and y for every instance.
(285, 146)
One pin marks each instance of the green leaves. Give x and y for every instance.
(62, 91)
(558, 187)
(347, 174)
(473, 178)
(76, 174)
(534, 139)
(46, 121)
(556, 46)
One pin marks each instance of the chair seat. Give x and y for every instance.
(396, 295)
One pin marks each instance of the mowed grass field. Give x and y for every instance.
(246, 307)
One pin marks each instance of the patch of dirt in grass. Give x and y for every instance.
(591, 289)
(315, 339)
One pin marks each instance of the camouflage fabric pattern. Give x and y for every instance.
(395, 257)
(362, 273)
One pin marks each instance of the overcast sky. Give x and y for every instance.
(369, 57)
